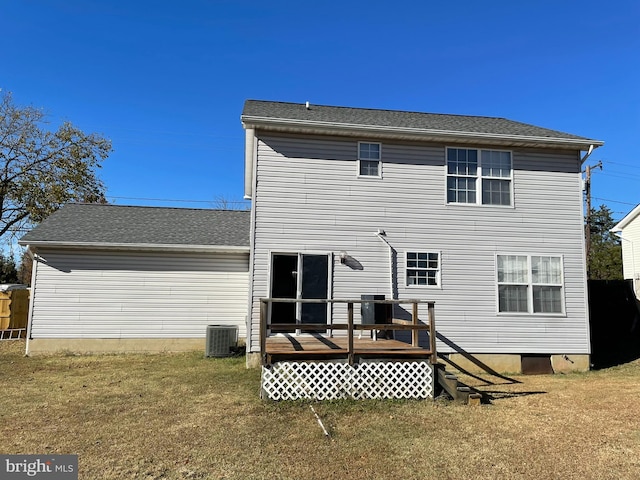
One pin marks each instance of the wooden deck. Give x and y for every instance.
(301, 341)
(356, 359)
(318, 346)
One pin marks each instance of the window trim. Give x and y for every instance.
(530, 306)
(438, 284)
(360, 175)
(479, 177)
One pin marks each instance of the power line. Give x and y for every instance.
(621, 174)
(614, 201)
(622, 164)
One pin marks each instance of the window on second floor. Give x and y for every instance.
(482, 177)
(369, 159)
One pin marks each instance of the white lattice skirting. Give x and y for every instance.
(331, 381)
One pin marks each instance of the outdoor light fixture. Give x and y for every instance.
(343, 257)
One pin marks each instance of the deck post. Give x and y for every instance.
(263, 330)
(350, 333)
(432, 333)
(415, 338)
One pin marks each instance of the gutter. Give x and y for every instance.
(421, 133)
(34, 245)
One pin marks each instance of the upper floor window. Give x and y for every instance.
(530, 284)
(479, 176)
(369, 159)
(423, 268)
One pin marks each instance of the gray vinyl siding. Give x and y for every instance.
(91, 294)
(308, 198)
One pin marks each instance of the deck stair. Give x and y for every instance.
(457, 390)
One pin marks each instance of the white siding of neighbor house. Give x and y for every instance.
(91, 294)
(631, 252)
(308, 198)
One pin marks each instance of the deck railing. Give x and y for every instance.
(415, 325)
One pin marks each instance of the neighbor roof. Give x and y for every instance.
(115, 226)
(319, 118)
(628, 218)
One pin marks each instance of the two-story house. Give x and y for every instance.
(481, 215)
(474, 221)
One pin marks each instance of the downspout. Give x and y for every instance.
(588, 154)
(32, 295)
(249, 155)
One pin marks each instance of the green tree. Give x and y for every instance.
(605, 257)
(8, 271)
(41, 170)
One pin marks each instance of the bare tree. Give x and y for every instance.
(41, 170)
(221, 202)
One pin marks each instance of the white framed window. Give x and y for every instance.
(481, 177)
(369, 159)
(423, 269)
(530, 284)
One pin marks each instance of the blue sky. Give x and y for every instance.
(166, 81)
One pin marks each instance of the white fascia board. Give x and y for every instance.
(627, 219)
(34, 246)
(284, 124)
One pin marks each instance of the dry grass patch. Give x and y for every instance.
(177, 416)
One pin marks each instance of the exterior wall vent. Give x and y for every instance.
(221, 340)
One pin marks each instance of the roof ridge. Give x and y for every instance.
(111, 205)
(390, 110)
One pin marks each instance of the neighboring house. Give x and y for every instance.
(482, 215)
(628, 230)
(116, 278)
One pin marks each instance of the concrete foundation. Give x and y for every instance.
(479, 363)
(253, 360)
(114, 345)
(512, 363)
(570, 363)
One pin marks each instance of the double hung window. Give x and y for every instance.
(423, 268)
(479, 176)
(530, 284)
(369, 159)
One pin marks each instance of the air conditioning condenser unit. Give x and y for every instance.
(221, 340)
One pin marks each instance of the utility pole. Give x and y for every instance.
(587, 224)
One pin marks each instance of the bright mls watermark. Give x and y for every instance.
(50, 467)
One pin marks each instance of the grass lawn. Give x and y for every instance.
(181, 416)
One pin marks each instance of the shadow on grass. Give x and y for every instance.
(498, 395)
(473, 360)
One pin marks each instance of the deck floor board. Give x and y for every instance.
(294, 346)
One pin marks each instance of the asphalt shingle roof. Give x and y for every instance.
(396, 119)
(116, 224)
